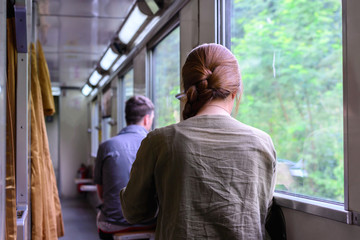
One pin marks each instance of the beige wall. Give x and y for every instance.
(74, 147)
(303, 226)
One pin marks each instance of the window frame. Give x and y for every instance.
(351, 53)
(349, 211)
(94, 123)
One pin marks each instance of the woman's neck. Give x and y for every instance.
(216, 107)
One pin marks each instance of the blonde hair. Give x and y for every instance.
(210, 71)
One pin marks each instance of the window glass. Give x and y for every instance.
(166, 79)
(106, 112)
(94, 128)
(126, 91)
(105, 129)
(290, 55)
(129, 84)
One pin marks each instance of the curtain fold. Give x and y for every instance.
(47, 220)
(49, 109)
(10, 224)
(45, 83)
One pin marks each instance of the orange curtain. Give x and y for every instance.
(46, 220)
(49, 109)
(45, 83)
(10, 224)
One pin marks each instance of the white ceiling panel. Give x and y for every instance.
(76, 33)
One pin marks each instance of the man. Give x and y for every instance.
(113, 164)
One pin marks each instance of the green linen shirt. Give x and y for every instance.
(208, 177)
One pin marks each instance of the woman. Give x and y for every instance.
(210, 176)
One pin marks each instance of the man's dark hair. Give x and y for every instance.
(136, 108)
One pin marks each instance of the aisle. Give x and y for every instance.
(79, 220)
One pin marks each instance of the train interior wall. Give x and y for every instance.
(69, 137)
(300, 225)
(73, 144)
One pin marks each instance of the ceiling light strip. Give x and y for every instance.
(132, 25)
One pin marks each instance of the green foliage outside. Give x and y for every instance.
(166, 69)
(290, 55)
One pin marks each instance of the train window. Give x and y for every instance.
(94, 128)
(126, 90)
(105, 129)
(166, 79)
(106, 107)
(129, 84)
(290, 55)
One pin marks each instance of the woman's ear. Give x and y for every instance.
(233, 95)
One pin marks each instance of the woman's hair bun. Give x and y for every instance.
(210, 71)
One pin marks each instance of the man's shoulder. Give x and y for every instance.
(110, 141)
(123, 139)
(116, 139)
(133, 129)
(116, 145)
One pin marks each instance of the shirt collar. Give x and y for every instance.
(134, 129)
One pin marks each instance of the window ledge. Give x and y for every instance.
(324, 209)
